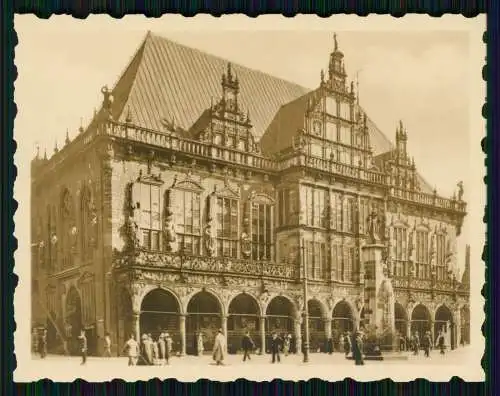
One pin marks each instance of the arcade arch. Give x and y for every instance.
(160, 311)
(400, 319)
(316, 326)
(342, 321)
(444, 324)
(244, 315)
(280, 315)
(204, 315)
(420, 321)
(73, 319)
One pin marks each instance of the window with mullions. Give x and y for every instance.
(150, 216)
(422, 254)
(316, 207)
(349, 215)
(441, 256)
(187, 221)
(261, 231)
(400, 243)
(227, 227)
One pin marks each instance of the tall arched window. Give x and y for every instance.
(188, 219)
(422, 254)
(85, 223)
(441, 269)
(400, 244)
(67, 234)
(262, 229)
(349, 215)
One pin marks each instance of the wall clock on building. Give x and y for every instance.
(317, 128)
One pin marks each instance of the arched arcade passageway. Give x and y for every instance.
(204, 315)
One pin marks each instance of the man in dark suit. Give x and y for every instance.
(83, 346)
(247, 345)
(275, 347)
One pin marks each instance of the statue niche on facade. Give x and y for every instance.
(209, 233)
(373, 227)
(169, 232)
(246, 243)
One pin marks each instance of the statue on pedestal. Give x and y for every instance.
(373, 227)
(169, 232)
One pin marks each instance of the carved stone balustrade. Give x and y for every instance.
(216, 265)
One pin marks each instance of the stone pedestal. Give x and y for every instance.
(378, 288)
(182, 331)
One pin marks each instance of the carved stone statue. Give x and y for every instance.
(169, 232)
(460, 186)
(246, 245)
(411, 248)
(209, 233)
(373, 227)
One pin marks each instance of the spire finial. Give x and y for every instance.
(37, 151)
(45, 154)
(229, 74)
(401, 125)
(322, 76)
(56, 149)
(336, 47)
(66, 141)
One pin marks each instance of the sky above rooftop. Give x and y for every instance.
(424, 77)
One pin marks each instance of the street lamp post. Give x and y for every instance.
(306, 308)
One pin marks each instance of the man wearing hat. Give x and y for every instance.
(275, 347)
(357, 349)
(427, 343)
(168, 347)
(132, 349)
(219, 348)
(161, 348)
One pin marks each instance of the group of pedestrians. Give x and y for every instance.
(149, 352)
(426, 343)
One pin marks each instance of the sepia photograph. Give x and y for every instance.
(262, 198)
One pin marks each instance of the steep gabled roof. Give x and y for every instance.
(166, 80)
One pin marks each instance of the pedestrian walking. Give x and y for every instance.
(199, 344)
(168, 347)
(132, 349)
(219, 348)
(286, 344)
(357, 349)
(146, 357)
(161, 349)
(275, 348)
(347, 343)
(441, 343)
(107, 345)
(42, 344)
(247, 345)
(427, 343)
(329, 344)
(415, 343)
(83, 346)
(155, 352)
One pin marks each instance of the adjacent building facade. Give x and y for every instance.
(203, 193)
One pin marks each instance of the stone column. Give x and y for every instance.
(135, 326)
(298, 336)
(262, 324)
(433, 335)
(182, 331)
(408, 329)
(224, 330)
(328, 327)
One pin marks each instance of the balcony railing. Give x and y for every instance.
(216, 265)
(232, 155)
(404, 282)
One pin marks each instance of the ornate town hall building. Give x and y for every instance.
(203, 195)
